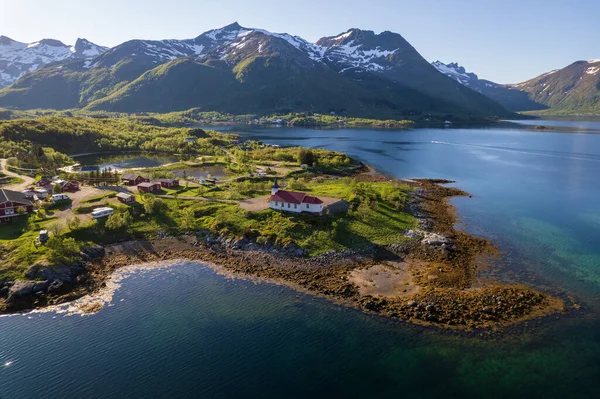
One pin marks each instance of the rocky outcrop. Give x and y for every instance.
(23, 294)
(436, 240)
(246, 244)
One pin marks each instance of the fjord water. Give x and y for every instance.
(188, 332)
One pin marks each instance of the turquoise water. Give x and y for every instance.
(187, 332)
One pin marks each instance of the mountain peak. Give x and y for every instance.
(455, 71)
(5, 40)
(50, 43)
(83, 48)
(232, 27)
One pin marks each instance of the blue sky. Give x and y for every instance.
(506, 41)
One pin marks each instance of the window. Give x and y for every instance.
(276, 203)
(306, 206)
(10, 211)
(289, 205)
(295, 206)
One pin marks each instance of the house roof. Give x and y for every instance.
(168, 180)
(13, 196)
(294, 197)
(148, 184)
(130, 176)
(124, 195)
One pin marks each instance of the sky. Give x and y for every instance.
(505, 41)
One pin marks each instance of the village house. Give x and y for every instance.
(131, 179)
(149, 187)
(10, 202)
(43, 182)
(169, 183)
(66, 185)
(293, 201)
(126, 198)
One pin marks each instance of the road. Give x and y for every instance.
(27, 181)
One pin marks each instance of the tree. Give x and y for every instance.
(127, 218)
(188, 219)
(306, 157)
(74, 223)
(57, 188)
(152, 204)
(62, 250)
(56, 228)
(21, 210)
(115, 222)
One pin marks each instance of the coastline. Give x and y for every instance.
(430, 279)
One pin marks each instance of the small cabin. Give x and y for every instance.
(126, 198)
(10, 202)
(149, 187)
(71, 186)
(66, 185)
(130, 179)
(43, 182)
(169, 183)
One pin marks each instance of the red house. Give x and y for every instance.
(43, 182)
(131, 179)
(10, 201)
(126, 198)
(70, 185)
(169, 183)
(148, 187)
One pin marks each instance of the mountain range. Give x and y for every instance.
(18, 59)
(244, 70)
(574, 89)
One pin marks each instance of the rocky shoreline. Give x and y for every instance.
(430, 278)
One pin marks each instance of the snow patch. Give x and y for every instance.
(592, 70)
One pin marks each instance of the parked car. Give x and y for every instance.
(60, 197)
(102, 212)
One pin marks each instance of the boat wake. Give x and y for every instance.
(578, 156)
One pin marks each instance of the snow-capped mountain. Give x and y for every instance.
(17, 59)
(458, 73)
(362, 50)
(511, 97)
(358, 71)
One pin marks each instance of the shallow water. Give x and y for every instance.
(215, 171)
(187, 332)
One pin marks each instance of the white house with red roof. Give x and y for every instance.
(293, 201)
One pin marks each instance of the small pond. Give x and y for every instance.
(120, 161)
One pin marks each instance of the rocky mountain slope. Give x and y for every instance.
(18, 59)
(239, 70)
(512, 98)
(574, 89)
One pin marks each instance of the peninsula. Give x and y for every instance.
(313, 219)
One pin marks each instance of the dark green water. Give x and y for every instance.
(186, 332)
(120, 161)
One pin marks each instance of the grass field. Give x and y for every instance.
(376, 216)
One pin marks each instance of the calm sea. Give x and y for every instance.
(186, 332)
